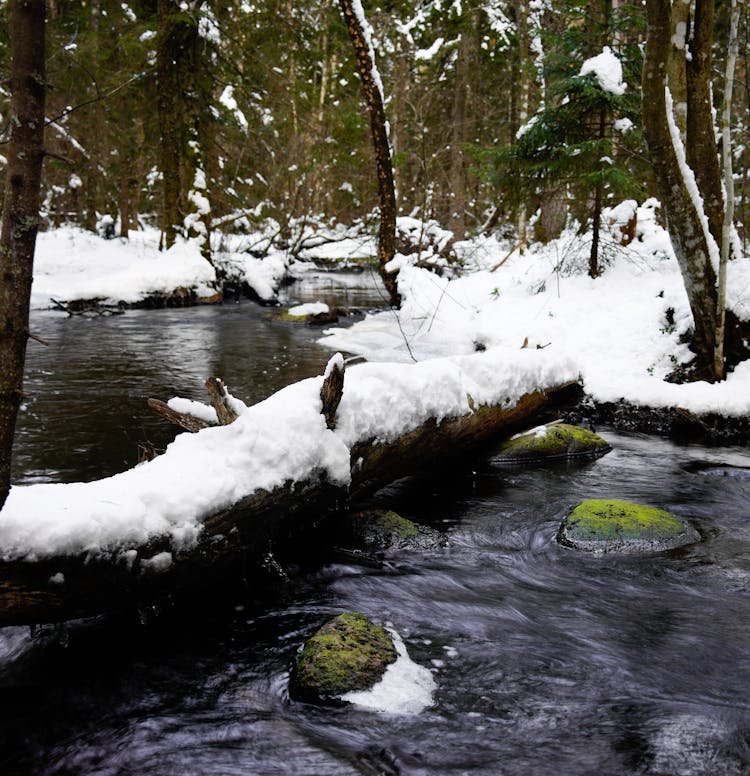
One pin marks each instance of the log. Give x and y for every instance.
(235, 539)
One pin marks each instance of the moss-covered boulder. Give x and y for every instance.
(381, 529)
(347, 653)
(557, 440)
(605, 525)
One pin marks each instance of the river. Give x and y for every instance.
(546, 661)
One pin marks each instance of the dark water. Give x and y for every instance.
(546, 661)
(85, 414)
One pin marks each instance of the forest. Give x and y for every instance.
(448, 304)
(257, 106)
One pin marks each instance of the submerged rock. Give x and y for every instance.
(558, 440)
(348, 653)
(606, 525)
(380, 529)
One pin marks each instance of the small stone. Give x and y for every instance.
(605, 525)
(347, 653)
(558, 440)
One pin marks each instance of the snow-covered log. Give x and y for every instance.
(286, 465)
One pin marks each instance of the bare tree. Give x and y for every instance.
(20, 212)
(359, 32)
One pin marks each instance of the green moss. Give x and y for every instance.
(348, 653)
(558, 440)
(285, 315)
(392, 523)
(606, 525)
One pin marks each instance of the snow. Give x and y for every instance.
(367, 33)
(309, 308)
(613, 329)
(71, 263)
(608, 71)
(406, 687)
(538, 320)
(280, 439)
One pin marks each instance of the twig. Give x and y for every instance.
(182, 419)
(218, 393)
(518, 245)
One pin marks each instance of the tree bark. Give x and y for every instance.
(702, 152)
(381, 146)
(689, 240)
(20, 213)
(728, 224)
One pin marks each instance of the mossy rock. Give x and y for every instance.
(381, 529)
(605, 525)
(558, 440)
(347, 653)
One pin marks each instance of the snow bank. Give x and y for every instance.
(71, 263)
(280, 439)
(622, 330)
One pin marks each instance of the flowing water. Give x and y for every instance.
(545, 660)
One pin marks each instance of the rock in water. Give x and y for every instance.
(604, 525)
(347, 653)
(558, 440)
(381, 529)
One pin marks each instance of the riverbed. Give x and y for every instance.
(545, 660)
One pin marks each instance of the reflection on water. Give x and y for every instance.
(546, 660)
(85, 414)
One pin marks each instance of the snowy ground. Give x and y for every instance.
(613, 332)
(615, 328)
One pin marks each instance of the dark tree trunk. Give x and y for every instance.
(381, 146)
(170, 135)
(20, 214)
(183, 96)
(685, 228)
(701, 148)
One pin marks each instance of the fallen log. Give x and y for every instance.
(35, 589)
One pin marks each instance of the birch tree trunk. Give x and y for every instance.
(726, 230)
(20, 213)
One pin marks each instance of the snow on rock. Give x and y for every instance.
(309, 308)
(280, 439)
(608, 71)
(405, 688)
(263, 275)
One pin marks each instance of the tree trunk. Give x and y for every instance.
(170, 135)
(361, 40)
(689, 239)
(728, 225)
(20, 213)
(702, 152)
(676, 70)
(457, 176)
